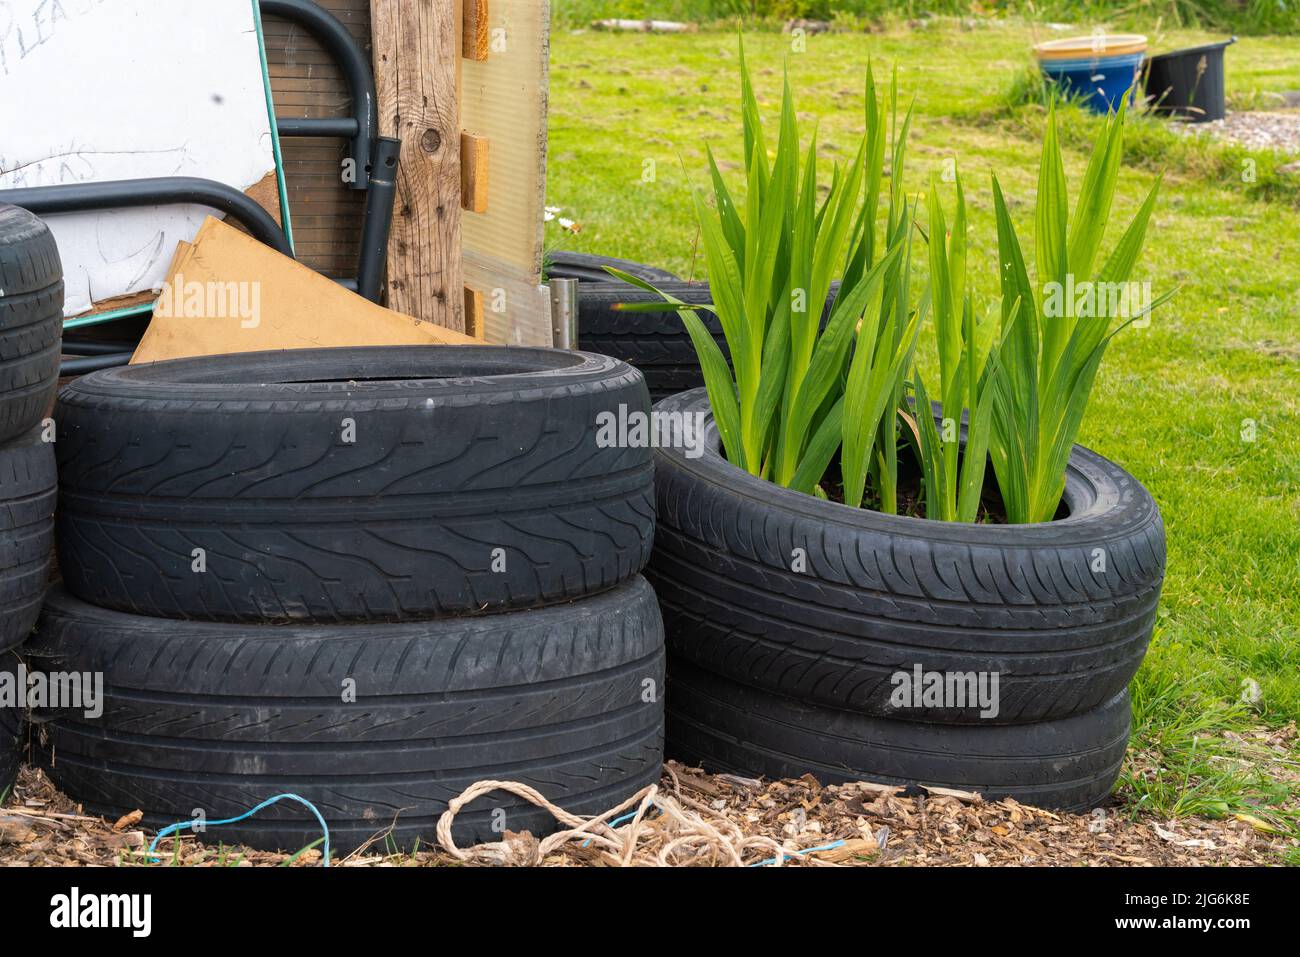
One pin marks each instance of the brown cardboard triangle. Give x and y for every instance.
(227, 292)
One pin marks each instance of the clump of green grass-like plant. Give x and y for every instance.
(1052, 341)
(803, 390)
(796, 396)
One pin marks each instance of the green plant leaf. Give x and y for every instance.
(1092, 210)
(1050, 234)
(820, 451)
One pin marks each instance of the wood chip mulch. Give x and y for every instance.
(878, 827)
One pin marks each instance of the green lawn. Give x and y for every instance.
(1171, 399)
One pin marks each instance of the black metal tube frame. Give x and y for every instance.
(362, 127)
(85, 348)
(84, 364)
(375, 156)
(166, 190)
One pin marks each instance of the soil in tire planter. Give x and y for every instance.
(825, 604)
(221, 716)
(351, 484)
(31, 320)
(723, 726)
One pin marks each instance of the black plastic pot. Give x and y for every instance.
(1189, 83)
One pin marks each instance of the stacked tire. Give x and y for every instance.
(31, 328)
(654, 342)
(808, 637)
(367, 577)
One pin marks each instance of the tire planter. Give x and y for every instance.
(587, 268)
(28, 489)
(1060, 612)
(654, 342)
(723, 725)
(351, 484)
(31, 321)
(219, 716)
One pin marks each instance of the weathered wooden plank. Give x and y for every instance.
(416, 58)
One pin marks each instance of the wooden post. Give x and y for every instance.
(417, 54)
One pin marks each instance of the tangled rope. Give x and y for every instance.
(684, 832)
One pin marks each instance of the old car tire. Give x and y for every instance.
(28, 490)
(723, 726)
(31, 320)
(11, 732)
(588, 268)
(220, 716)
(346, 484)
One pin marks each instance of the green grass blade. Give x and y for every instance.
(771, 383)
(755, 142)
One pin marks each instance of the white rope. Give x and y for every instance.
(685, 831)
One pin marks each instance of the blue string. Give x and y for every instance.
(182, 825)
(616, 822)
(807, 850)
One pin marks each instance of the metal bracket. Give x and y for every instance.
(564, 313)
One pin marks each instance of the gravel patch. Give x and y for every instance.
(1257, 130)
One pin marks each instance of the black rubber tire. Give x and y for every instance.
(723, 726)
(586, 268)
(221, 716)
(883, 594)
(654, 342)
(28, 491)
(11, 734)
(458, 452)
(31, 320)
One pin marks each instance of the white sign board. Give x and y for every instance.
(97, 90)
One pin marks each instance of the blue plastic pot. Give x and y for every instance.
(1101, 81)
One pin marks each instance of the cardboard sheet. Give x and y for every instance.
(227, 292)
